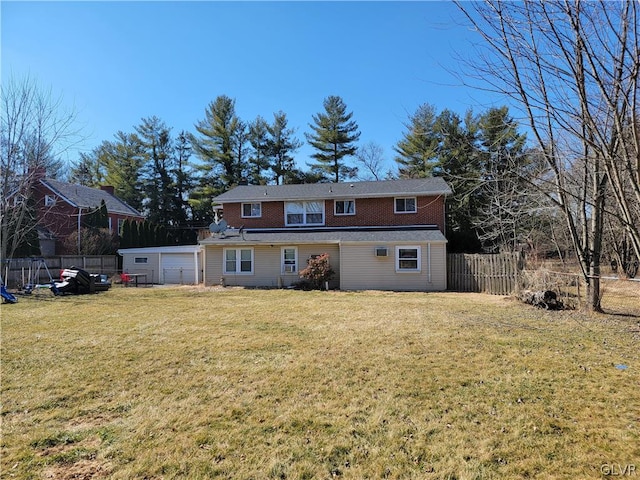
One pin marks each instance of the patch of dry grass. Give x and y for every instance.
(231, 383)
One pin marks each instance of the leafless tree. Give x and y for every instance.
(573, 69)
(370, 157)
(35, 130)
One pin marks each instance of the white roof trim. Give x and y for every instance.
(167, 249)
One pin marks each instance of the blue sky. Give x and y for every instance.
(117, 62)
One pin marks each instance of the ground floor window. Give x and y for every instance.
(408, 259)
(289, 260)
(238, 260)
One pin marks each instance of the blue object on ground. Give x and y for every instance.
(9, 298)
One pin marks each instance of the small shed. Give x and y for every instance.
(181, 265)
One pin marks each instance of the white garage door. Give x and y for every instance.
(178, 268)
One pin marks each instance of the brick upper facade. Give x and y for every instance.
(368, 212)
(374, 203)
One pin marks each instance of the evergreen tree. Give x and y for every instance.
(504, 215)
(259, 158)
(97, 218)
(159, 172)
(88, 171)
(135, 235)
(104, 215)
(417, 151)
(458, 162)
(281, 143)
(122, 161)
(29, 242)
(125, 234)
(184, 179)
(334, 136)
(481, 158)
(220, 140)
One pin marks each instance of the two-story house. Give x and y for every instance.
(61, 207)
(386, 235)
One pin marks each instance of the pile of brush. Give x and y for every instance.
(547, 299)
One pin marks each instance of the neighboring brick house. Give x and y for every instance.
(61, 207)
(386, 235)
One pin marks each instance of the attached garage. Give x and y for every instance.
(180, 265)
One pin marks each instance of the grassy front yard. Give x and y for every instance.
(209, 383)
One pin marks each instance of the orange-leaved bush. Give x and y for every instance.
(318, 271)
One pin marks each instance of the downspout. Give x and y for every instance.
(195, 260)
(79, 223)
(429, 262)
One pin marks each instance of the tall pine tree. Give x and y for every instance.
(281, 144)
(417, 151)
(218, 144)
(334, 134)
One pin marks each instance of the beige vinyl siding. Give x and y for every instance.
(267, 267)
(363, 270)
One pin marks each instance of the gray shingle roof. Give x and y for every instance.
(87, 197)
(328, 235)
(311, 191)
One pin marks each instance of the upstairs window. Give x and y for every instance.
(49, 200)
(304, 213)
(405, 205)
(251, 210)
(345, 207)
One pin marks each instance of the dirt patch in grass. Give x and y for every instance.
(81, 470)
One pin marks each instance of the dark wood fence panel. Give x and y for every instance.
(494, 274)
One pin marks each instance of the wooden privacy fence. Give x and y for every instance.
(15, 271)
(494, 274)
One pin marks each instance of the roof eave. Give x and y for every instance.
(268, 198)
(43, 181)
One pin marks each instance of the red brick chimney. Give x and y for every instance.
(107, 188)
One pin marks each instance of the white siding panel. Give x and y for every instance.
(212, 265)
(151, 269)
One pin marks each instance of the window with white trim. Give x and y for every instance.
(238, 261)
(304, 213)
(49, 200)
(120, 224)
(407, 258)
(141, 260)
(289, 260)
(345, 207)
(405, 205)
(251, 210)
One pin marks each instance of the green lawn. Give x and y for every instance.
(196, 383)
